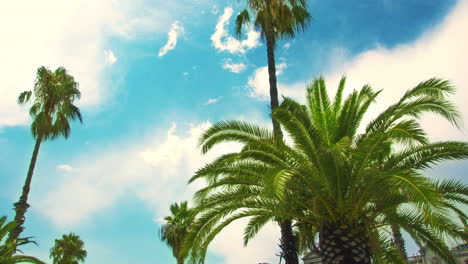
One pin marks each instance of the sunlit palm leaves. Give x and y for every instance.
(334, 178)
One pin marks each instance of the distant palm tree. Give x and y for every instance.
(276, 19)
(176, 228)
(68, 250)
(52, 110)
(351, 187)
(8, 248)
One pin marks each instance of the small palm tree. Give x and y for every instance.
(176, 228)
(68, 250)
(52, 110)
(349, 187)
(8, 248)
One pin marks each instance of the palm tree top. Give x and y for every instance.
(68, 249)
(52, 106)
(275, 18)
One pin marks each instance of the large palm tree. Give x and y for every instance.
(176, 228)
(52, 110)
(8, 248)
(352, 187)
(68, 250)
(276, 19)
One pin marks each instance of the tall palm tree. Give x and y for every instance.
(52, 110)
(8, 248)
(176, 228)
(68, 250)
(352, 187)
(276, 19)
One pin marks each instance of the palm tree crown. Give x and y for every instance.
(275, 19)
(345, 185)
(68, 250)
(176, 227)
(52, 107)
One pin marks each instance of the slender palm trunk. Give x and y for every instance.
(274, 102)
(22, 205)
(288, 243)
(344, 244)
(399, 241)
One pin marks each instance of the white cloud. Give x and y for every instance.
(287, 45)
(155, 170)
(222, 41)
(440, 52)
(213, 100)
(234, 67)
(176, 30)
(65, 167)
(258, 83)
(110, 57)
(32, 37)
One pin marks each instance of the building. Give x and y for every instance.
(426, 256)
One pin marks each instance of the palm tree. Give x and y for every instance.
(8, 248)
(52, 110)
(176, 228)
(352, 187)
(276, 19)
(68, 250)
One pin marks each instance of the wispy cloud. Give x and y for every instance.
(287, 45)
(65, 167)
(222, 41)
(176, 30)
(234, 67)
(110, 57)
(213, 100)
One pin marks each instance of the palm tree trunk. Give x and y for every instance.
(399, 241)
(180, 261)
(22, 205)
(288, 243)
(344, 244)
(274, 102)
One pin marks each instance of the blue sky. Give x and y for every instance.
(145, 105)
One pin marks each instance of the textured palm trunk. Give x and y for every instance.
(399, 241)
(274, 102)
(344, 244)
(288, 243)
(180, 261)
(22, 205)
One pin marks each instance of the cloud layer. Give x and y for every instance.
(154, 172)
(440, 52)
(75, 37)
